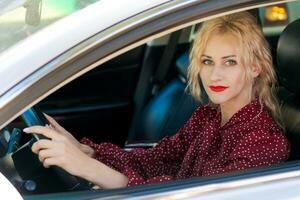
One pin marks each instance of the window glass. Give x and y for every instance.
(21, 18)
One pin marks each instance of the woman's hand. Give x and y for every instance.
(58, 128)
(59, 150)
(62, 151)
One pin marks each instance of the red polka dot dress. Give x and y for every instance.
(202, 147)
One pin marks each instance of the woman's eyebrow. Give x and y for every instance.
(224, 57)
(206, 56)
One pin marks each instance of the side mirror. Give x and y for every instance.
(33, 12)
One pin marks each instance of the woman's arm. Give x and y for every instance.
(102, 175)
(158, 164)
(139, 166)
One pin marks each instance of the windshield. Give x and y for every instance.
(21, 18)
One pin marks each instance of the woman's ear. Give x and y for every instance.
(255, 71)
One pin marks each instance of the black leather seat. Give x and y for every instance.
(167, 111)
(288, 63)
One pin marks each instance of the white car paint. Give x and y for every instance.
(7, 190)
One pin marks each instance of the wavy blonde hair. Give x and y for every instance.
(255, 51)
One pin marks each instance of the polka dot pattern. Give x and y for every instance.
(202, 147)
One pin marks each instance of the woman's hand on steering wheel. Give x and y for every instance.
(60, 150)
(57, 127)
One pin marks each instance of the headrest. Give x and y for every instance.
(288, 57)
(182, 64)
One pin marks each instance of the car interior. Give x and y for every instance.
(288, 66)
(139, 97)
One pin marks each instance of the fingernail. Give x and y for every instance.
(26, 130)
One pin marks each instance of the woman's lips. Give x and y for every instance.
(218, 88)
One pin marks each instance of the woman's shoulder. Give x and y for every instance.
(264, 130)
(266, 124)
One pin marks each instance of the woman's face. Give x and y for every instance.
(221, 71)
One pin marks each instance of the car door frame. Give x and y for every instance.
(110, 43)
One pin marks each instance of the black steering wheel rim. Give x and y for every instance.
(34, 116)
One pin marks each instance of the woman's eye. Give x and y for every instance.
(230, 62)
(207, 62)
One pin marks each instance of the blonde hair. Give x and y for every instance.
(254, 49)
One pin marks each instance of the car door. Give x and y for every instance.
(70, 65)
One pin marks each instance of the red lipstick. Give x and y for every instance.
(217, 88)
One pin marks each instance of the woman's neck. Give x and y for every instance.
(228, 109)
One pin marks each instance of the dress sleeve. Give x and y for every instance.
(157, 164)
(256, 150)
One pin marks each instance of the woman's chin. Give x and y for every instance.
(216, 99)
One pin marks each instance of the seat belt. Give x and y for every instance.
(162, 70)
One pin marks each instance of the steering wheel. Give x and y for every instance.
(29, 168)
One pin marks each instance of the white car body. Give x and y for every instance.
(30, 61)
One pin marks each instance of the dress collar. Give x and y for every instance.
(245, 114)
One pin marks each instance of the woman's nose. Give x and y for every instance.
(217, 73)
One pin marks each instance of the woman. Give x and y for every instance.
(240, 128)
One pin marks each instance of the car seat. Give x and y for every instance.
(288, 63)
(167, 111)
